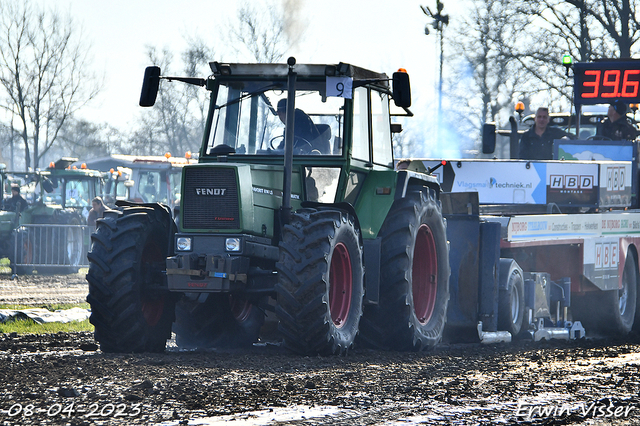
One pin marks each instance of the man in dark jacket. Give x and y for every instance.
(537, 142)
(616, 126)
(16, 202)
(305, 131)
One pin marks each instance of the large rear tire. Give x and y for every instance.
(222, 321)
(612, 312)
(414, 283)
(130, 307)
(320, 289)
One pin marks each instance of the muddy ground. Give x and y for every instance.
(65, 379)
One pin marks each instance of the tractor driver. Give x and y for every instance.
(537, 142)
(16, 202)
(305, 131)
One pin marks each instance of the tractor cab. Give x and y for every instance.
(250, 109)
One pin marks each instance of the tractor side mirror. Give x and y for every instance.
(150, 86)
(401, 89)
(47, 185)
(488, 138)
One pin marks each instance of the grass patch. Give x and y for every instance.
(29, 326)
(51, 307)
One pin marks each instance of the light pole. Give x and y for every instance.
(438, 24)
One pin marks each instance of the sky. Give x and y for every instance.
(375, 34)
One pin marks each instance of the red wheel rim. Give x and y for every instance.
(240, 308)
(424, 275)
(152, 311)
(340, 285)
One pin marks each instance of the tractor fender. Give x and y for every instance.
(156, 206)
(408, 179)
(343, 206)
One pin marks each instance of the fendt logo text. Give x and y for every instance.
(211, 191)
(571, 182)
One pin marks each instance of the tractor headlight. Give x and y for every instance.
(232, 244)
(183, 244)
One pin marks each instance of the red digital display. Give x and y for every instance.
(605, 82)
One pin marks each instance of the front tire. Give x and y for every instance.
(321, 288)
(130, 307)
(414, 284)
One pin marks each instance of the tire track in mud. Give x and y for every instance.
(43, 289)
(456, 384)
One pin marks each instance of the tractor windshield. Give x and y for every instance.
(72, 192)
(249, 118)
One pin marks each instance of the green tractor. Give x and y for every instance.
(46, 235)
(294, 210)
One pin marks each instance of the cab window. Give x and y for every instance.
(381, 129)
(360, 124)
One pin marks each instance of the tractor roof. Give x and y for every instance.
(303, 70)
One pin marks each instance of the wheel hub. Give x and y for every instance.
(340, 285)
(424, 275)
(623, 296)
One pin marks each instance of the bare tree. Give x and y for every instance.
(43, 74)
(264, 32)
(584, 29)
(484, 77)
(505, 51)
(85, 140)
(176, 121)
(260, 34)
(617, 18)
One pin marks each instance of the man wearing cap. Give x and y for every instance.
(616, 126)
(537, 142)
(16, 202)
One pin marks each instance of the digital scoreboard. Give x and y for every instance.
(604, 82)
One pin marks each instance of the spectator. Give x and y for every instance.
(97, 211)
(537, 142)
(16, 202)
(616, 126)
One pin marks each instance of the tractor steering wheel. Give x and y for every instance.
(301, 146)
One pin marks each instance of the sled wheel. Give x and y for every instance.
(511, 297)
(611, 312)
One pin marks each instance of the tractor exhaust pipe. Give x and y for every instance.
(285, 210)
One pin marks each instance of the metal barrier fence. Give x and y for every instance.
(51, 248)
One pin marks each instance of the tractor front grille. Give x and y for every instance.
(210, 198)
